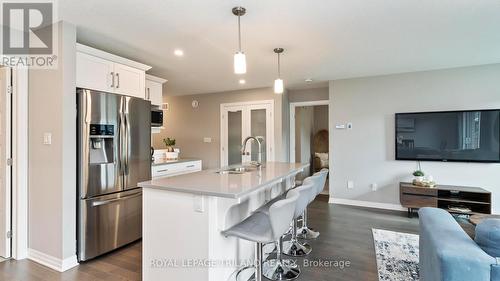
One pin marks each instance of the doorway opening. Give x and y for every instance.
(309, 136)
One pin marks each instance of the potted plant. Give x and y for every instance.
(418, 174)
(169, 143)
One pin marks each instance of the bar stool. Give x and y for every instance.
(293, 247)
(319, 180)
(261, 228)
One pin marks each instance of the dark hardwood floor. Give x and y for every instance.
(345, 236)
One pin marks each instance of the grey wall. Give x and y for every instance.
(52, 168)
(189, 126)
(312, 94)
(365, 154)
(304, 130)
(320, 118)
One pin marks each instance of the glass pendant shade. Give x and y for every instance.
(240, 63)
(278, 86)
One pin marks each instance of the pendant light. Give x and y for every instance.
(240, 61)
(278, 83)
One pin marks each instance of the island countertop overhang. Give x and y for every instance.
(210, 183)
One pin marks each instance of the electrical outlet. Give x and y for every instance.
(374, 186)
(350, 184)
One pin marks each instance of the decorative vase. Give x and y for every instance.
(419, 179)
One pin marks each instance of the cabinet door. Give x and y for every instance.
(154, 92)
(94, 73)
(129, 81)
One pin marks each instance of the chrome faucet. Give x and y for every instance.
(259, 143)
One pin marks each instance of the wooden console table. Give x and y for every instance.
(478, 200)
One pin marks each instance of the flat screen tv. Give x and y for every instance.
(455, 136)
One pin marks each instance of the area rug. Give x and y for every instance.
(397, 255)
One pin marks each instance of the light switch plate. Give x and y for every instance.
(350, 184)
(207, 140)
(47, 138)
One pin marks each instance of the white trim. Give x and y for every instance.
(20, 167)
(367, 204)
(245, 108)
(155, 79)
(293, 105)
(111, 57)
(52, 262)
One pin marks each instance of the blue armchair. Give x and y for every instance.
(447, 253)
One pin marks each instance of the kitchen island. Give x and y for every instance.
(183, 217)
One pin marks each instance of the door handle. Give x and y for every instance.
(105, 202)
(117, 80)
(190, 166)
(161, 171)
(112, 79)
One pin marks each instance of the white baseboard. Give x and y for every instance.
(368, 204)
(52, 262)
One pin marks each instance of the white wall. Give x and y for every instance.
(365, 154)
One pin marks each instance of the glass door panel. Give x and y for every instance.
(258, 128)
(234, 136)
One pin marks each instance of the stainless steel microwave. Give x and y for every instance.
(156, 118)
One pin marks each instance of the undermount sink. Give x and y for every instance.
(236, 170)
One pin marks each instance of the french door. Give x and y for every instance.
(241, 120)
(5, 162)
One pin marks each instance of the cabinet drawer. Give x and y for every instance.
(417, 201)
(174, 169)
(419, 191)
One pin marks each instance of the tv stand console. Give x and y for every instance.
(455, 199)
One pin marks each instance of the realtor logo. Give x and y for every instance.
(27, 28)
(29, 34)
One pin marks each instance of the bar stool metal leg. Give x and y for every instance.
(305, 232)
(280, 269)
(256, 267)
(293, 247)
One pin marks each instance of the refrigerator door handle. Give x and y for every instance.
(105, 202)
(127, 143)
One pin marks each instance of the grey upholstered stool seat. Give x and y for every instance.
(264, 228)
(293, 247)
(319, 180)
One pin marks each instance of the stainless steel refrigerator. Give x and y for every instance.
(114, 140)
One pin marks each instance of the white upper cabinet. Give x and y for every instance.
(129, 81)
(94, 73)
(154, 89)
(98, 70)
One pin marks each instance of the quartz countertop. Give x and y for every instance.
(166, 162)
(211, 183)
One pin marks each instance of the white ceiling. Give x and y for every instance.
(324, 40)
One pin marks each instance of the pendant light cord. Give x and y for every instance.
(279, 66)
(239, 34)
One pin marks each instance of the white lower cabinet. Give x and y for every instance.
(174, 169)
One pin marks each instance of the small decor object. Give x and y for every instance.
(169, 143)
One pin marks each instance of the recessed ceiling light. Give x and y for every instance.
(179, 52)
(242, 81)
